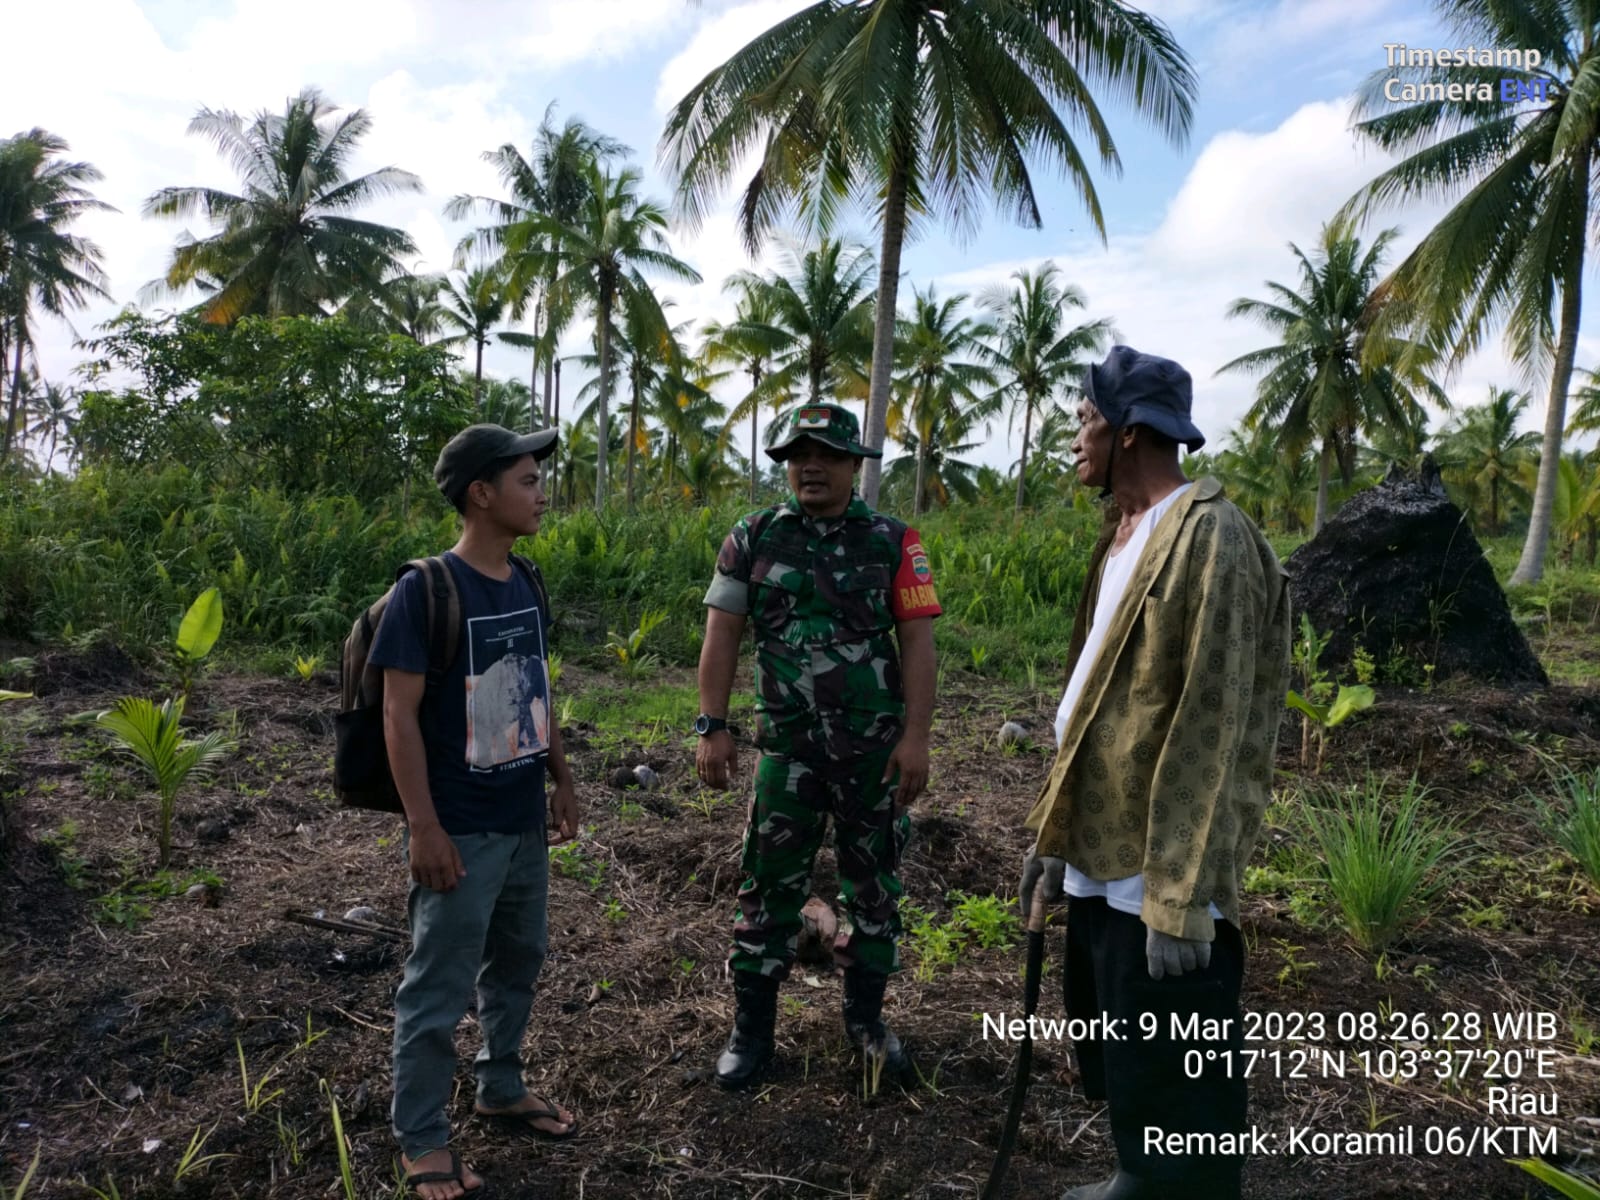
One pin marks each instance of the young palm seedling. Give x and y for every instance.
(154, 737)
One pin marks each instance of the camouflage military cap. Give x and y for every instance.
(831, 424)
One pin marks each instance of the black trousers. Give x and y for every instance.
(1146, 1082)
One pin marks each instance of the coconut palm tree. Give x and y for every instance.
(750, 340)
(1039, 359)
(691, 427)
(550, 182)
(705, 474)
(916, 109)
(1050, 467)
(937, 399)
(506, 402)
(930, 470)
(820, 324)
(1482, 447)
(55, 414)
(1576, 512)
(601, 257)
(1586, 416)
(1512, 250)
(407, 304)
(1244, 464)
(42, 264)
(1334, 373)
(472, 308)
(287, 244)
(651, 357)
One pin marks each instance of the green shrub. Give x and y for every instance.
(1383, 857)
(115, 553)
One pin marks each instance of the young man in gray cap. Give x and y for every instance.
(469, 751)
(842, 719)
(1165, 741)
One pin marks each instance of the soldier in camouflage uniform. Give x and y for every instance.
(842, 719)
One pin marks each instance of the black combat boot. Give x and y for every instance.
(750, 1045)
(863, 1024)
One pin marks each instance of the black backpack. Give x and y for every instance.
(361, 777)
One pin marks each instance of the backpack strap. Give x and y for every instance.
(535, 577)
(444, 615)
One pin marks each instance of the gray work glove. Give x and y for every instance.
(1034, 868)
(1168, 955)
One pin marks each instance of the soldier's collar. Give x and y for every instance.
(856, 510)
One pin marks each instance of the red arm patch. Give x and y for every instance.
(914, 594)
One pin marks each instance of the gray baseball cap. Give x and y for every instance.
(466, 455)
(1132, 388)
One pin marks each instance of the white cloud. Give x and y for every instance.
(1225, 232)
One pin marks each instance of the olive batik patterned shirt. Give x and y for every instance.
(1165, 765)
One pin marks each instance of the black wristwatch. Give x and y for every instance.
(704, 725)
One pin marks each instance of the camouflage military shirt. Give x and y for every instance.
(823, 597)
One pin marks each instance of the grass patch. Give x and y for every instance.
(1572, 818)
(1384, 859)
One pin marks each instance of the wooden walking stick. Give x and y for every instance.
(1030, 1001)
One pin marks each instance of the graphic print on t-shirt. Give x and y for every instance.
(508, 690)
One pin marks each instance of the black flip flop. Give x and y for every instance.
(453, 1175)
(523, 1122)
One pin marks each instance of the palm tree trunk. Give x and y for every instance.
(894, 233)
(1531, 567)
(1324, 470)
(755, 407)
(633, 431)
(477, 382)
(602, 422)
(552, 381)
(552, 408)
(9, 439)
(1494, 504)
(533, 382)
(922, 466)
(5, 433)
(1022, 463)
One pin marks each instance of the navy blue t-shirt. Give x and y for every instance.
(486, 727)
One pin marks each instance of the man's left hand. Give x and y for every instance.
(563, 811)
(1168, 955)
(910, 759)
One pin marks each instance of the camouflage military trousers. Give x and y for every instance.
(788, 817)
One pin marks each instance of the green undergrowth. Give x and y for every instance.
(114, 556)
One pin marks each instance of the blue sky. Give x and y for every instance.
(1269, 159)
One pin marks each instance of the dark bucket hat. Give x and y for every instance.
(831, 424)
(1131, 388)
(466, 455)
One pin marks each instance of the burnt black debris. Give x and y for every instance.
(1398, 572)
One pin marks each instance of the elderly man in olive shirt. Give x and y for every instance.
(1165, 737)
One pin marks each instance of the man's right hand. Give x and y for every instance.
(716, 758)
(1035, 867)
(435, 861)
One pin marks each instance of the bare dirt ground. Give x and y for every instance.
(121, 1039)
